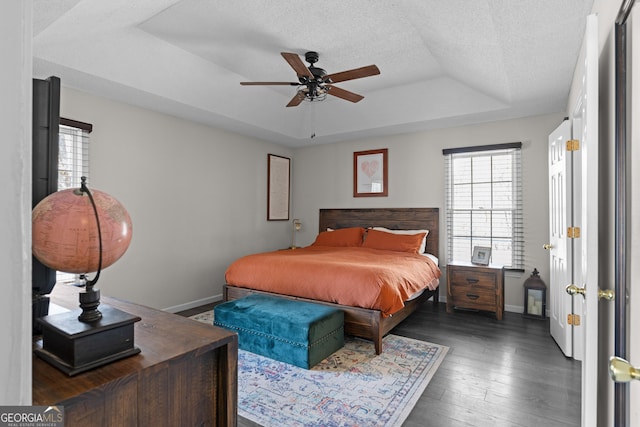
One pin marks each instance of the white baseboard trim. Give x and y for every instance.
(514, 308)
(216, 298)
(193, 304)
(510, 308)
(519, 309)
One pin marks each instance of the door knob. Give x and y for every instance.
(547, 246)
(573, 289)
(622, 371)
(607, 294)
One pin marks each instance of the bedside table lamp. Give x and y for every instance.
(295, 226)
(69, 229)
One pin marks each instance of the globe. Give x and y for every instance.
(65, 232)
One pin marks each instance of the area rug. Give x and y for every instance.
(352, 387)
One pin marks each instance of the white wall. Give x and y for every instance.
(196, 196)
(15, 202)
(323, 178)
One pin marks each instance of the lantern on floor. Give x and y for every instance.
(535, 296)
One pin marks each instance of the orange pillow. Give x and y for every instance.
(393, 242)
(351, 236)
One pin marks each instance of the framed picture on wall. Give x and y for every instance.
(278, 187)
(370, 173)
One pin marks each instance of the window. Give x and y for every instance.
(73, 163)
(483, 194)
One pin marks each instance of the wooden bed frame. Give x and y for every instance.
(361, 322)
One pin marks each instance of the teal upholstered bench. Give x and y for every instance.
(291, 331)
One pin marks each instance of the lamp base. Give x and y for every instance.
(74, 347)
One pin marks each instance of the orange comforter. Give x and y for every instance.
(353, 276)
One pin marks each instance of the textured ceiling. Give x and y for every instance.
(442, 62)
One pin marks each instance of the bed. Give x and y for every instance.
(367, 323)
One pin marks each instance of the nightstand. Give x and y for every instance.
(475, 287)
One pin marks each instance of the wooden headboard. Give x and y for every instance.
(393, 218)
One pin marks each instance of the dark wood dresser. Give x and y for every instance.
(476, 287)
(185, 375)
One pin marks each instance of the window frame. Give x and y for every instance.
(517, 235)
(79, 161)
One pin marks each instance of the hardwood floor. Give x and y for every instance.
(496, 373)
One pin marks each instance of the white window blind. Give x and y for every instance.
(483, 191)
(73, 163)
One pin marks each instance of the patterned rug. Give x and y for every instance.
(352, 387)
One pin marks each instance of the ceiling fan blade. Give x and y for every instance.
(269, 83)
(297, 64)
(356, 73)
(296, 100)
(344, 94)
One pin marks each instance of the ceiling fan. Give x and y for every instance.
(314, 83)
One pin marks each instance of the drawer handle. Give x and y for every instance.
(472, 296)
(472, 280)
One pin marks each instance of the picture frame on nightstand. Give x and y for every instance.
(481, 255)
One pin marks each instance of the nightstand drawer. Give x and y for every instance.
(469, 297)
(474, 278)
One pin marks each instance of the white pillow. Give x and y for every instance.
(423, 245)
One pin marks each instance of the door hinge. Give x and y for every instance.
(573, 145)
(573, 319)
(573, 232)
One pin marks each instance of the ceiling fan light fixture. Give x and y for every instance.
(316, 98)
(313, 93)
(314, 82)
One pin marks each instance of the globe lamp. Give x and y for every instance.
(79, 231)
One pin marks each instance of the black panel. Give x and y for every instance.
(46, 120)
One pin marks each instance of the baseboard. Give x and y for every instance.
(514, 308)
(510, 308)
(193, 304)
(518, 309)
(216, 298)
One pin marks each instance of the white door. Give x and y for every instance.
(577, 126)
(575, 261)
(586, 118)
(560, 252)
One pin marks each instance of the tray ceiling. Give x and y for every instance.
(442, 63)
